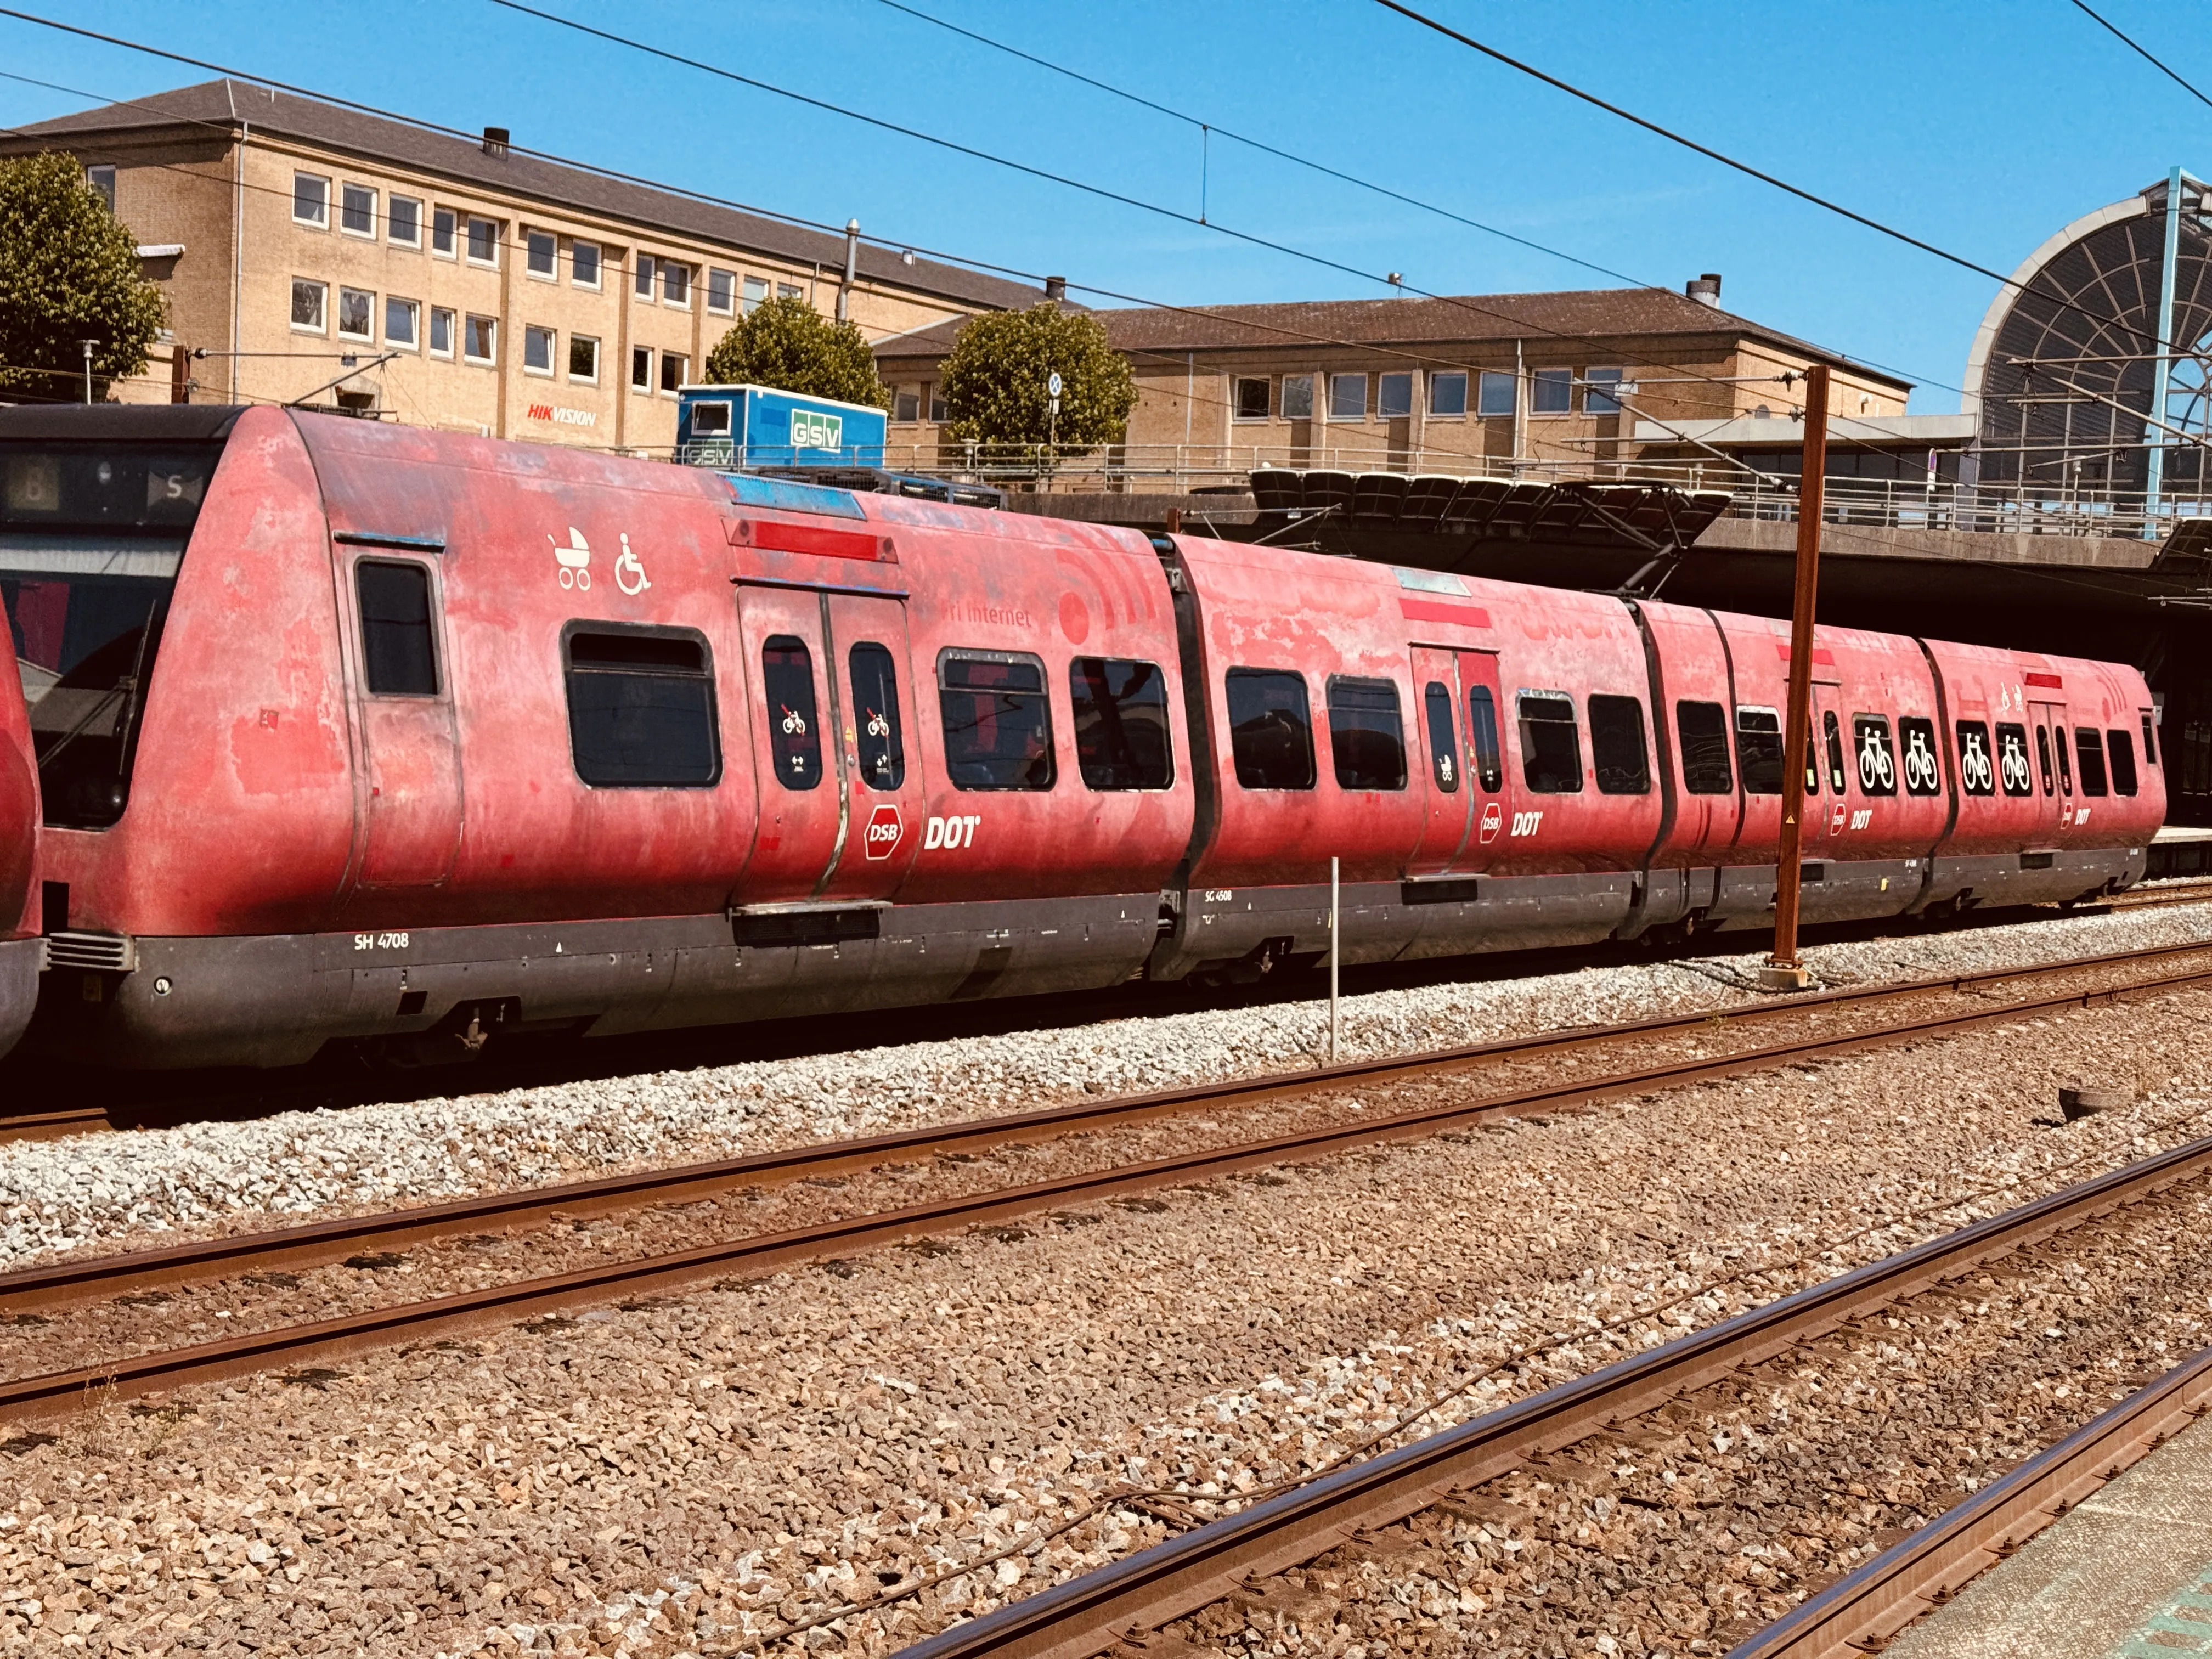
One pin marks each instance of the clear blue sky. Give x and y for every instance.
(1984, 127)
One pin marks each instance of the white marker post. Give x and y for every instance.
(1332, 897)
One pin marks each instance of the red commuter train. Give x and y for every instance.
(21, 952)
(349, 731)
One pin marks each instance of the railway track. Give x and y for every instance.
(1130, 1600)
(74, 1282)
(1860, 1613)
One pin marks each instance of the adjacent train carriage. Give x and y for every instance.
(20, 950)
(350, 732)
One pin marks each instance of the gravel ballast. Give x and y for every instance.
(99, 1191)
(665, 1478)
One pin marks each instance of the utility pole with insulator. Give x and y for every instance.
(1783, 971)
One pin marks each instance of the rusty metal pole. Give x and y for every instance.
(1783, 971)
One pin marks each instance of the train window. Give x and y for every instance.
(1121, 711)
(794, 727)
(1759, 751)
(1270, 729)
(2012, 759)
(1551, 749)
(1443, 742)
(1916, 737)
(1978, 774)
(2043, 755)
(1366, 736)
(998, 721)
(1703, 728)
(397, 652)
(1877, 758)
(2065, 765)
(2123, 750)
(1618, 754)
(876, 735)
(1482, 738)
(1834, 731)
(2091, 748)
(2150, 741)
(641, 711)
(1812, 757)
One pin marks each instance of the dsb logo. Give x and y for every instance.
(884, 831)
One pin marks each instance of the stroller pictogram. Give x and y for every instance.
(576, 559)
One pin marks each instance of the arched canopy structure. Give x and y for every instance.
(2063, 373)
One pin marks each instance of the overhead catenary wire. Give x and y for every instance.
(2143, 53)
(2027, 290)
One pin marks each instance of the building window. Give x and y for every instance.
(311, 199)
(641, 368)
(442, 225)
(722, 291)
(1298, 396)
(645, 275)
(400, 319)
(1597, 394)
(675, 283)
(307, 302)
(787, 291)
(1496, 392)
(584, 359)
(483, 242)
(673, 366)
(584, 263)
(541, 254)
(102, 180)
(1448, 394)
(1394, 397)
(357, 210)
(937, 410)
(1348, 397)
(1552, 392)
(480, 343)
(441, 331)
(403, 220)
(537, 350)
(1252, 399)
(355, 308)
(755, 293)
(905, 403)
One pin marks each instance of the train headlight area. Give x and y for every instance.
(328, 731)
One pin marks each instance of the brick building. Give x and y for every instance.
(1463, 384)
(297, 240)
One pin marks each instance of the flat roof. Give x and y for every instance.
(230, 104)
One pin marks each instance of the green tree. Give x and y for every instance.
(69, 273)
(786, 344)
(996, 380)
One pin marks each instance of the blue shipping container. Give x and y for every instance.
(743, 425)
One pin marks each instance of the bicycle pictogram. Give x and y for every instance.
(1919, 763)
(1974, 764)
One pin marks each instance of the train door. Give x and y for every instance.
(1490, 793)
(1827, 767)
(2053, 779)
(410, 792)
(832, 706)
(1444, 741)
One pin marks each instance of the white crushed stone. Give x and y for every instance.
(89, 1190)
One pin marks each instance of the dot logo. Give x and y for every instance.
(884, 831)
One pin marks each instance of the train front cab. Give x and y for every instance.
(21, 951)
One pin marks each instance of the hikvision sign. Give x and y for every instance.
(561, 416)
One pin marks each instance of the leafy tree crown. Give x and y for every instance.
(69, 273)
(996, 380)
(787, 344)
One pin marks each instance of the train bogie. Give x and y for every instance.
(356, 733)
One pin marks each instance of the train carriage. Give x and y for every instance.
(357, 733)
(21, 951)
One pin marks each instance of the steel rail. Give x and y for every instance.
(761, 1253)
(1858, 1613)
(1141, 1592)
(317, 1243)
